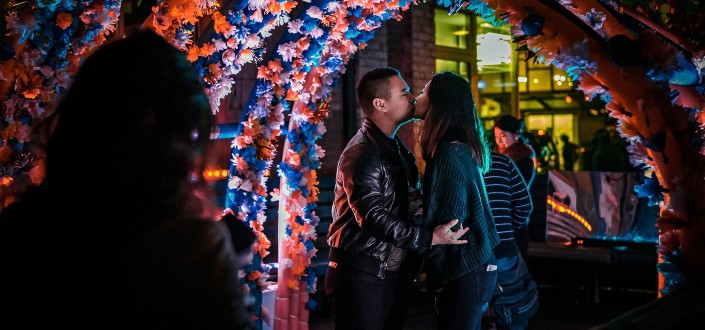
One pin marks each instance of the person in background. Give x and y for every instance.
(606, 155)
(509, 141)
(569, 152)
(118, 233)
(456, 154)
(373, 237)
(511, 206)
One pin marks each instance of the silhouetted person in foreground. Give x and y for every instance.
(115, 236)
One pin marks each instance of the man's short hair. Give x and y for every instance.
(374, 84)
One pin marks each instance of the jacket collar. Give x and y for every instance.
(374, 129)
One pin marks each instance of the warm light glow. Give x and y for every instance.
(462, 32)
(493, 48)
(541, 132)
(215, 174)
(522, 79)
(6, 181)
(536, 80)
(594, 112)
(568, 99)
(561, 208)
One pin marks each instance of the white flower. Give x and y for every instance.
(287, 51)
(234, 182)
(316, 32)
(257, 4)
(219, 44)
(295, 26)
(315, 12)
(253, 41)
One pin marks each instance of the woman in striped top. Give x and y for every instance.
(511, 206)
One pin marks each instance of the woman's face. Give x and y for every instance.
(422, 103)
(504, 139)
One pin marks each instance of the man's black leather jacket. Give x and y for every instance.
(371, 208)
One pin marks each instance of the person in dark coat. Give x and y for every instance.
(509, 141)
(119, 234)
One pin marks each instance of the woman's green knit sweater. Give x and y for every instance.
(454, 188)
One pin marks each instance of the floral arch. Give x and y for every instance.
(644, 58)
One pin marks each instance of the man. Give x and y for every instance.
(372, 229)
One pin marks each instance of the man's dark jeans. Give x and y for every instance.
(363, 301)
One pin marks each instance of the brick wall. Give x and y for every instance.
(423, 53)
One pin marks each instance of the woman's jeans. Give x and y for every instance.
(460, 302)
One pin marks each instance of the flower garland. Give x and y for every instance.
(49, 41)
(238, 36)
(304, 69)
(237, 40)
(653, 89)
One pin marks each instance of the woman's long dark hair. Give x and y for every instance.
(452, 117)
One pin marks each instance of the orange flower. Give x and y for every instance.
(193, 53)
(64, 20)
(29, 85)
(275, 66)
(253, 275)
(289, 5)
(263, 72)
(321, 113)
(265, 149)
(303, 44)
(220, 24)
(240, 165)
(215, 71)
(291, 95)
(274, 7)
(208, 49)
(261, 190)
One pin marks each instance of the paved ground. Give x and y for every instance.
(580, 312)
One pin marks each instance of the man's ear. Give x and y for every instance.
(379, 104)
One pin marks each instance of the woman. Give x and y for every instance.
(457, 156)
(115, 236)
(508, 141)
